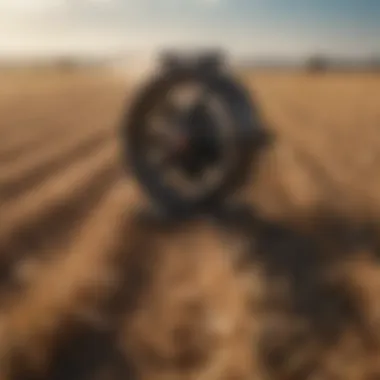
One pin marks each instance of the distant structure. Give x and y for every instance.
(206, 60)
(317, 64)
(65, 64)
(374, 63)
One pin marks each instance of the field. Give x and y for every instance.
(284, 289)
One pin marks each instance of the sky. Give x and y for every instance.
(262, 28)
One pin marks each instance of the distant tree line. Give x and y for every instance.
(320, 63)
(66, 64)
(317, 63)
(375, 63)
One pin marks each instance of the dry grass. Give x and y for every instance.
(90, 291)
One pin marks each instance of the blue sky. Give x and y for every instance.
(289, 28)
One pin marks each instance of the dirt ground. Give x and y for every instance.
(284, 285)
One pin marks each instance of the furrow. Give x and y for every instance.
(68, 288)
(42, 214)
(49, 128)
(18, 178)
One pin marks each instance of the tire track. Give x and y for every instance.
(71, 288)
(334, 176)
(49, 133)
(44, 217)
(26, 147)
(74, 115)
(34, 110)
(22, 176)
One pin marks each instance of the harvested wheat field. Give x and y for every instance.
(284, 289)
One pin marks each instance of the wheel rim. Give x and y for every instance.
(182, 145)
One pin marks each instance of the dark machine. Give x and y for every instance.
(192, 134)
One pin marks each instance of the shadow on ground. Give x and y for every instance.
(310, 305)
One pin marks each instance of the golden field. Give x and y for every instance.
(288, 290)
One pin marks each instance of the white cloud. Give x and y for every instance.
(30, 6)
(211, 2)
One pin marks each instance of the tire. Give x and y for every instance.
(248, 135)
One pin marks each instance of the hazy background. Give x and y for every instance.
(277, 30)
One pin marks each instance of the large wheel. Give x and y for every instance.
(193, 138)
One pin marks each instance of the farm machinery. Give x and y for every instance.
(192, 134)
